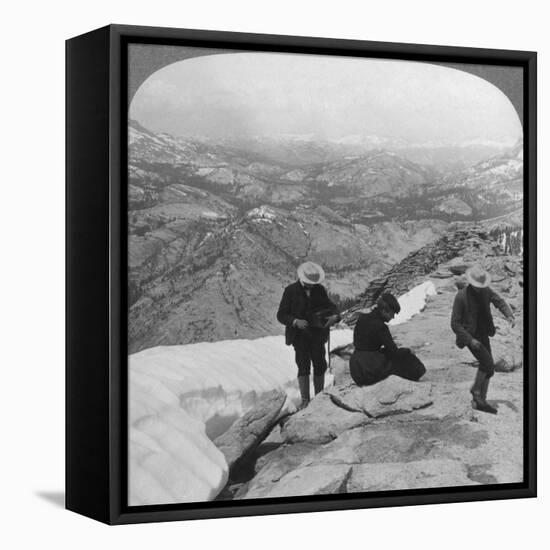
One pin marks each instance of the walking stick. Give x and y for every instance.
(328, 348)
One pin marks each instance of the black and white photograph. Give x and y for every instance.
(274, 275)
(325, 275)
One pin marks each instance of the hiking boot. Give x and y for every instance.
(484, 389)
(319, 383)
(478, 392)
(480, 404)
(484, 406)
(303, 385)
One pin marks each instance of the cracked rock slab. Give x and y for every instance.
(249, 430)
(311, 480)
(282, 460)
(274, 465)
(422, 474)
(321, 421)
(386, 442)
(391, 396)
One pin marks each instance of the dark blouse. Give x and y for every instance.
(372, 334)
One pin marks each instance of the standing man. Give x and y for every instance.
(472, 322)
(307, 313)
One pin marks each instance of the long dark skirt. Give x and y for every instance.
(369, 367)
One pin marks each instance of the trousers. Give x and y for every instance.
(484, 355)
(309, 347)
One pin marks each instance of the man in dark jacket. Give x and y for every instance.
(307, 313)
(472, 322)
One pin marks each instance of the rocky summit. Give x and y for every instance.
(216, 229)
(399, 434)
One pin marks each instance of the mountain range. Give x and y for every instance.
(217, 229)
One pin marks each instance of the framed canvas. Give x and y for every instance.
(301, 274)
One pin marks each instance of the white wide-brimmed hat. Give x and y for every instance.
(478, 277)
(311, 273)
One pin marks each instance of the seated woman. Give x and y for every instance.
(376, 355)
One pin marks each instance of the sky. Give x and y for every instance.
(323, 97)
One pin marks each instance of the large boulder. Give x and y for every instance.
(391, 396)
(249, 430)
(321, 421)
(507, 345)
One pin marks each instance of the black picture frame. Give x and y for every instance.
(96, 275)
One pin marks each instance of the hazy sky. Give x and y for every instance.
(329, 97)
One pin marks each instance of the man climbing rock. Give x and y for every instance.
(308, 313)
(472, 322)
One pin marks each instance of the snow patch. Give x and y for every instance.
(413, 302)
(262, 213)
(214, 382)
(171, 459)
(182, 397)
(209, 214)
(205, 171)
(340, 337)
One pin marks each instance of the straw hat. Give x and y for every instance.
(478, 277)
(311, 273)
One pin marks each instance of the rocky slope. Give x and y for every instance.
(469, 242)
(491, 187)
(209, 280)
(404, 435)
